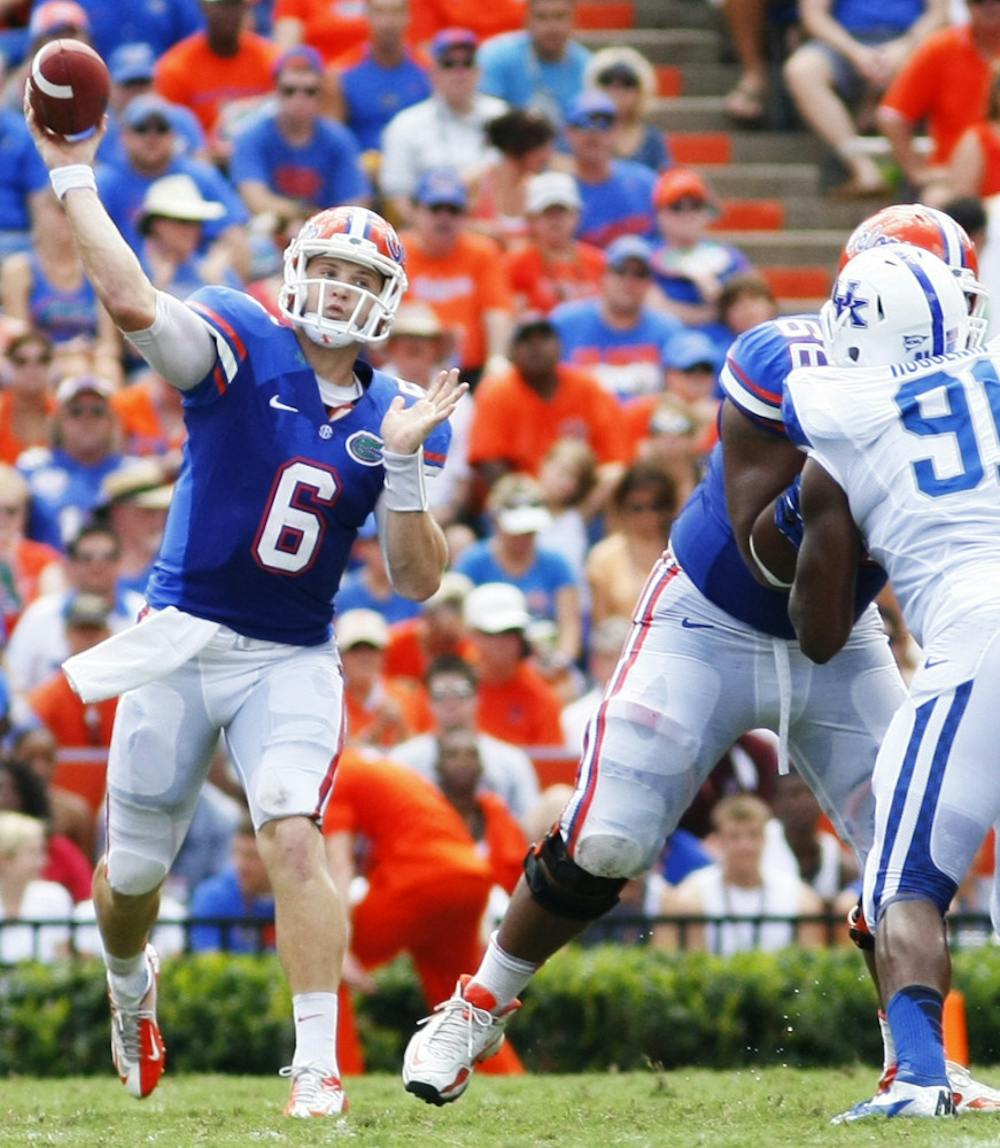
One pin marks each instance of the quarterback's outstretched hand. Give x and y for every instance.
(57, 151)
(405, 428)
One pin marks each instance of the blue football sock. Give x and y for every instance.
(915, 1019)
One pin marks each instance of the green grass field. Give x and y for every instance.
(771, 1108)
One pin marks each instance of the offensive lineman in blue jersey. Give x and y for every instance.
(291, 444)
(711, 656)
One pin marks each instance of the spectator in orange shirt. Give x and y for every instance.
(27, 568)
(516, 704)
(381, 711)
(439, 629)
(82, 731)
(225, 62)
(330, 26)
(945, 83)
(151, 414)
(521, 411)
(553, 267)
(460, 274)
(427, 885)
(459, 772)
(27, 400)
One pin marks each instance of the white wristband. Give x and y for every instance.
(769, 578)
(404, 481)
(71, 176)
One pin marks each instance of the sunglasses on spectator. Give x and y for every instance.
(458, 690)
(450, 63)
(31, 360)
(156, 127)
(289, 90)
(687, 203)
(633, 271)
(86, 410)
(447, 208)
(94, 556)
(618, 78)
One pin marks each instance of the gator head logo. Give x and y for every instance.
(365, 447)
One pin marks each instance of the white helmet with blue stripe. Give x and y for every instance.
(894, 304)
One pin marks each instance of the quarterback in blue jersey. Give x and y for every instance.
(711, 655)
(292, 443)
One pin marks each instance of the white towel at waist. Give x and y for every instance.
(150, 649)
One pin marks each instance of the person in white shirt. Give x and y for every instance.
(24, 896)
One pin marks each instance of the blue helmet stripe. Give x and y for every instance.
(934, 306)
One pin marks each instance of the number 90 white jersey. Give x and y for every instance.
(916, 448)
(271, 492)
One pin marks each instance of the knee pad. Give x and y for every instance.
(133, 874)
(559, 885)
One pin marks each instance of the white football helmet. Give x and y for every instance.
(894, 304)
(356, 235)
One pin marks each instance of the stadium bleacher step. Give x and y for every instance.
(669, 46)
(800, 248)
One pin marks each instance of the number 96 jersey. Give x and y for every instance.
(271, 492)
(916, 449)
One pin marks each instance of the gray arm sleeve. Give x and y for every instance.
(179, 345)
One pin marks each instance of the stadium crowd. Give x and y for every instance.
(562, 261)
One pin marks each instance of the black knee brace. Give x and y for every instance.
(559, 885)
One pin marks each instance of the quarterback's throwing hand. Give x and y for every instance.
(405, 428)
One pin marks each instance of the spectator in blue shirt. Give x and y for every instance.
(541, 66)
(617, 194)
(23, 182)
(386, 78)
(243, 890)
(153, 22)
(149, 141)
(629, 79)
(618, 337)
(290, 161)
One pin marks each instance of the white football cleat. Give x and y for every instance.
(441, 1056)
(137, 1047)
(902, 1099)
(970, 1095)
(314, 1092)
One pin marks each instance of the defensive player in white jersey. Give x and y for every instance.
(903, 461)
(292, 443)
(712, 654)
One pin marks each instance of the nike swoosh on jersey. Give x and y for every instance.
(930, 663)
(687, 624)
(280, 406)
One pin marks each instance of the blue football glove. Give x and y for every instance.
(788, 515)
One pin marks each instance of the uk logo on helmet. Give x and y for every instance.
(848, 301)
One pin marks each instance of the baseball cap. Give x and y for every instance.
(440, 187)
(689, 349)
(56, 16)
(148, 106)
(591, 109)
(530, 323)
(453, 591)
(515, 502)
(178, 197)
(69, 388)
(627, 247)
(302, 57)
(449, 38)
(89, 610)
(681, 183)
(139, 484)
(495, 607)
(551, 189)
(362, 628)
(132, 62)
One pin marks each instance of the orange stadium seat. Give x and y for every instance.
(750, 215)
(690, 148)
(604, 14)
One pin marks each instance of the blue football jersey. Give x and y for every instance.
(271, 491)
(702, 536)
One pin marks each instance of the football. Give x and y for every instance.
(68, 88)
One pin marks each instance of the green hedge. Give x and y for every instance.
(588, 1009)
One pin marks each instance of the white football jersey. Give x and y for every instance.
(916, 448)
